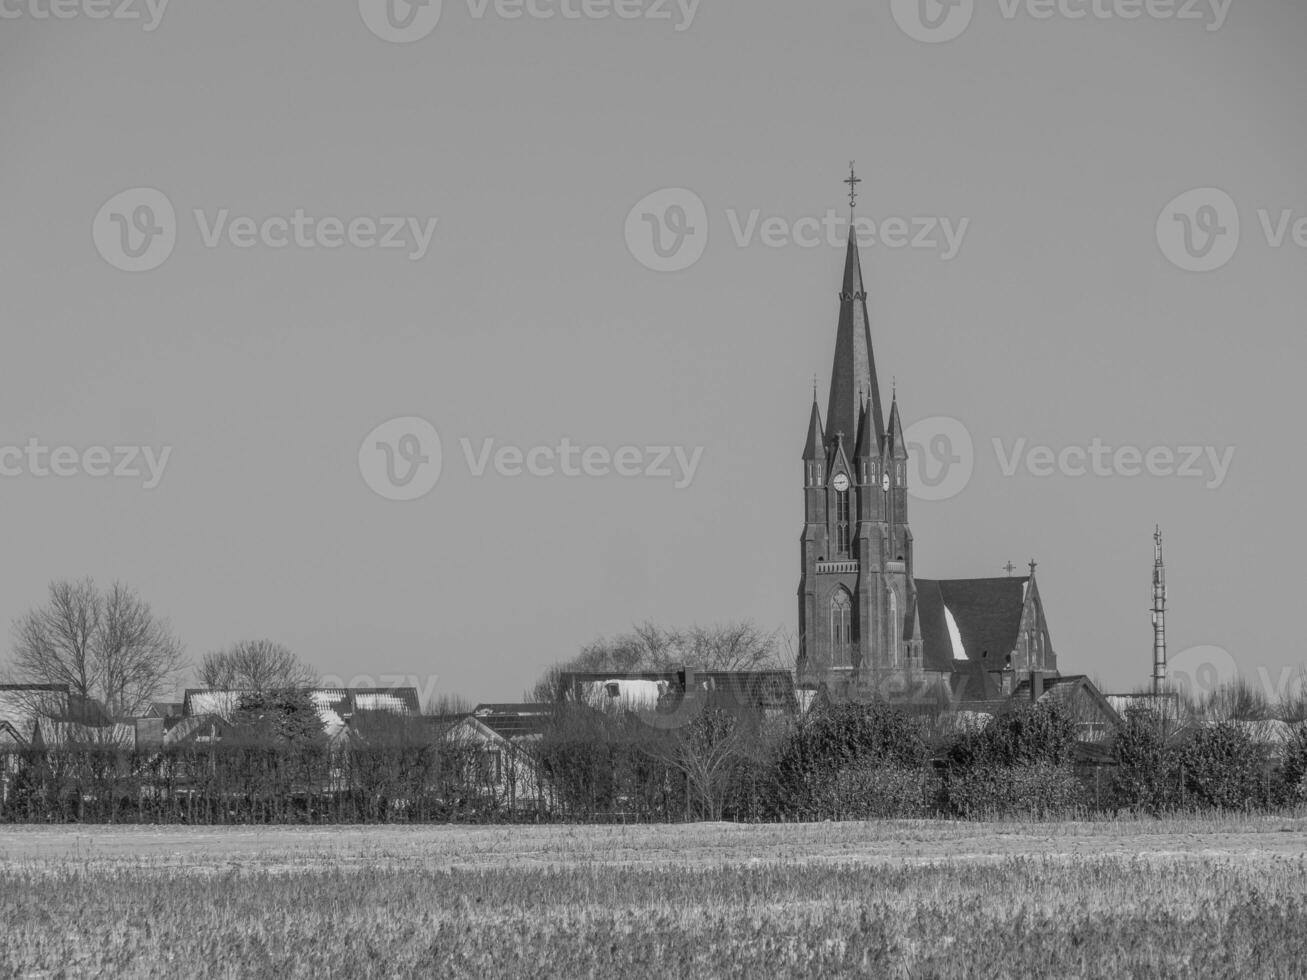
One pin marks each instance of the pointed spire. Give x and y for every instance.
(865, 447)
(897, 446)
(855, 362)
(812, 449)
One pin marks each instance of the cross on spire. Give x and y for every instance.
(1009, 568)
(853, 182)
(1033, 565)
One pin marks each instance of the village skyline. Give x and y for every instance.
(1039, 308)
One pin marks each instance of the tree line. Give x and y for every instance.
(838, 762)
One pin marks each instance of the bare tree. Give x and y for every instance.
(549, 688)
(447, 704)
(104, 645)
(255, 665)
(1237, 700)
(731, 646)
(706, 751)
(728, 646)
(1292, 705)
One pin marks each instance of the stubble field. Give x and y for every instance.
(1204, 897)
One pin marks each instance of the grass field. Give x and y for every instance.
(1203, 897)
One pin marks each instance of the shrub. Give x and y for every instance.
(870, 790)
(1293, 771)
(836, 737)
(1145, 775)
(1039, 790)
(1221, 766)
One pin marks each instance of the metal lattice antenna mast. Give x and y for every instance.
(1159, 616)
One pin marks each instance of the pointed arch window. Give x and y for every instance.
(842, 523)
(895, 629)
(841, 627)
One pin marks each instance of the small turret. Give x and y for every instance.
(813, 452)
(898, 449)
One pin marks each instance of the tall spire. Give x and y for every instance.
(854, 369)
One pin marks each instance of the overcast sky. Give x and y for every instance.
(1061, 313)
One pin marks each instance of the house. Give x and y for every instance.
(498, 743)
(765, 693)
(65, 717)
(1095, 719)
(337, 707)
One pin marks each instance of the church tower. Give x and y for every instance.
(857, 597)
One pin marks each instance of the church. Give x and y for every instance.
(868, 626)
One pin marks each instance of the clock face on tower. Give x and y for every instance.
(884, 483)
(840, 483)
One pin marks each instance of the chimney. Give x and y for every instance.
(1036, 685)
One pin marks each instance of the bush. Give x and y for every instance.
(1222, 767)
(1038, 790)
(1293, 772)
(872, 790)
(1018, 765)
(1145, 774)
(836, 737)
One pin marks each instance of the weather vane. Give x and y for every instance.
(853, 182)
